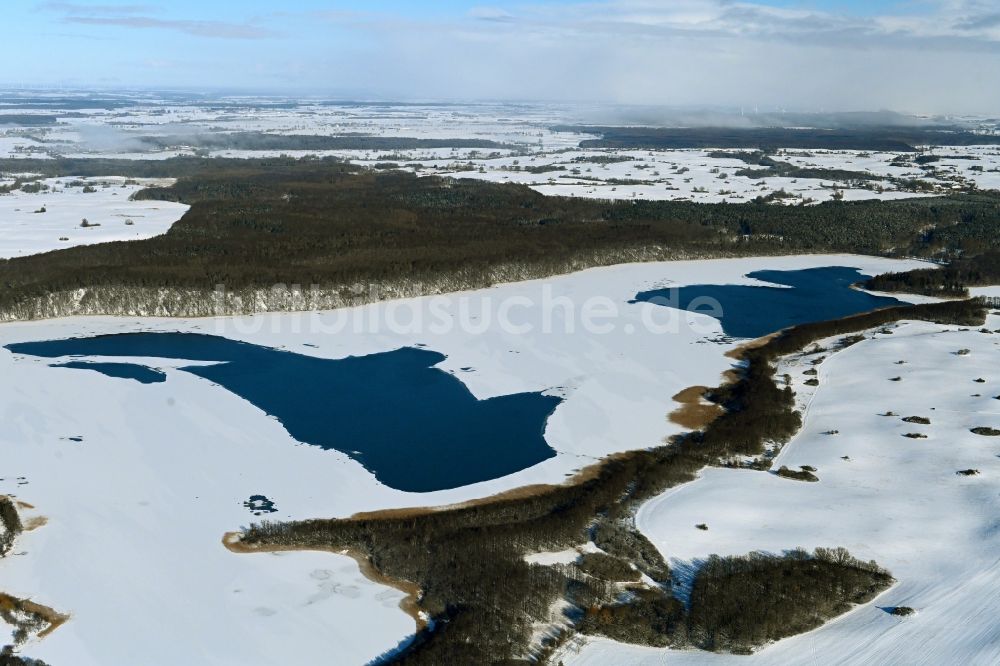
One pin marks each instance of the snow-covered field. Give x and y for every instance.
(137, 508)
(52, 218)
(697, 175)
(532, 150)
(880, 494)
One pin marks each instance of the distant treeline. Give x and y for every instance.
(29, 102)
(487, 600)
(27, 119)
(970, 312)
(773, 168)
(883, 139)
(263, 141)
(173, 167)
(947, 281)
(786, 170)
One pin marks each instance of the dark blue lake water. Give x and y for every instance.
(416, 428)
(815, 294)
(139, 373)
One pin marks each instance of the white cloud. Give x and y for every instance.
(687, 52)
(211, 29)
(79, 9)
(935, 56)
(137, 16)
(491, 14)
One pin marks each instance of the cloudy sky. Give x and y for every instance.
(925, 56)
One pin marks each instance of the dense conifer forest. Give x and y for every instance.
(739, 603)
(265, 141)
(878, 138)
(952, 280)
(257, 223)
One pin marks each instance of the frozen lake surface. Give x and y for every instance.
(393, 412)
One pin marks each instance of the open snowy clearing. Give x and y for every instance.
(51, 219)
(141, 482)
(883, 495)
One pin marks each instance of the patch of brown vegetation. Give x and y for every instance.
(730, 376)
(740, 351)
(695, 412)
(35, 522)
(28, 617)
(588, 473)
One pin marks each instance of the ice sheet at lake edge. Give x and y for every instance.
(139, 373)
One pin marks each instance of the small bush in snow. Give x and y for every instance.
(797, 475)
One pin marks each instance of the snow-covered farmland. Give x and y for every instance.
(53, 217)
(139, 483)
(700, 175)
(533, 147)
(13, 145)
(898, 500)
